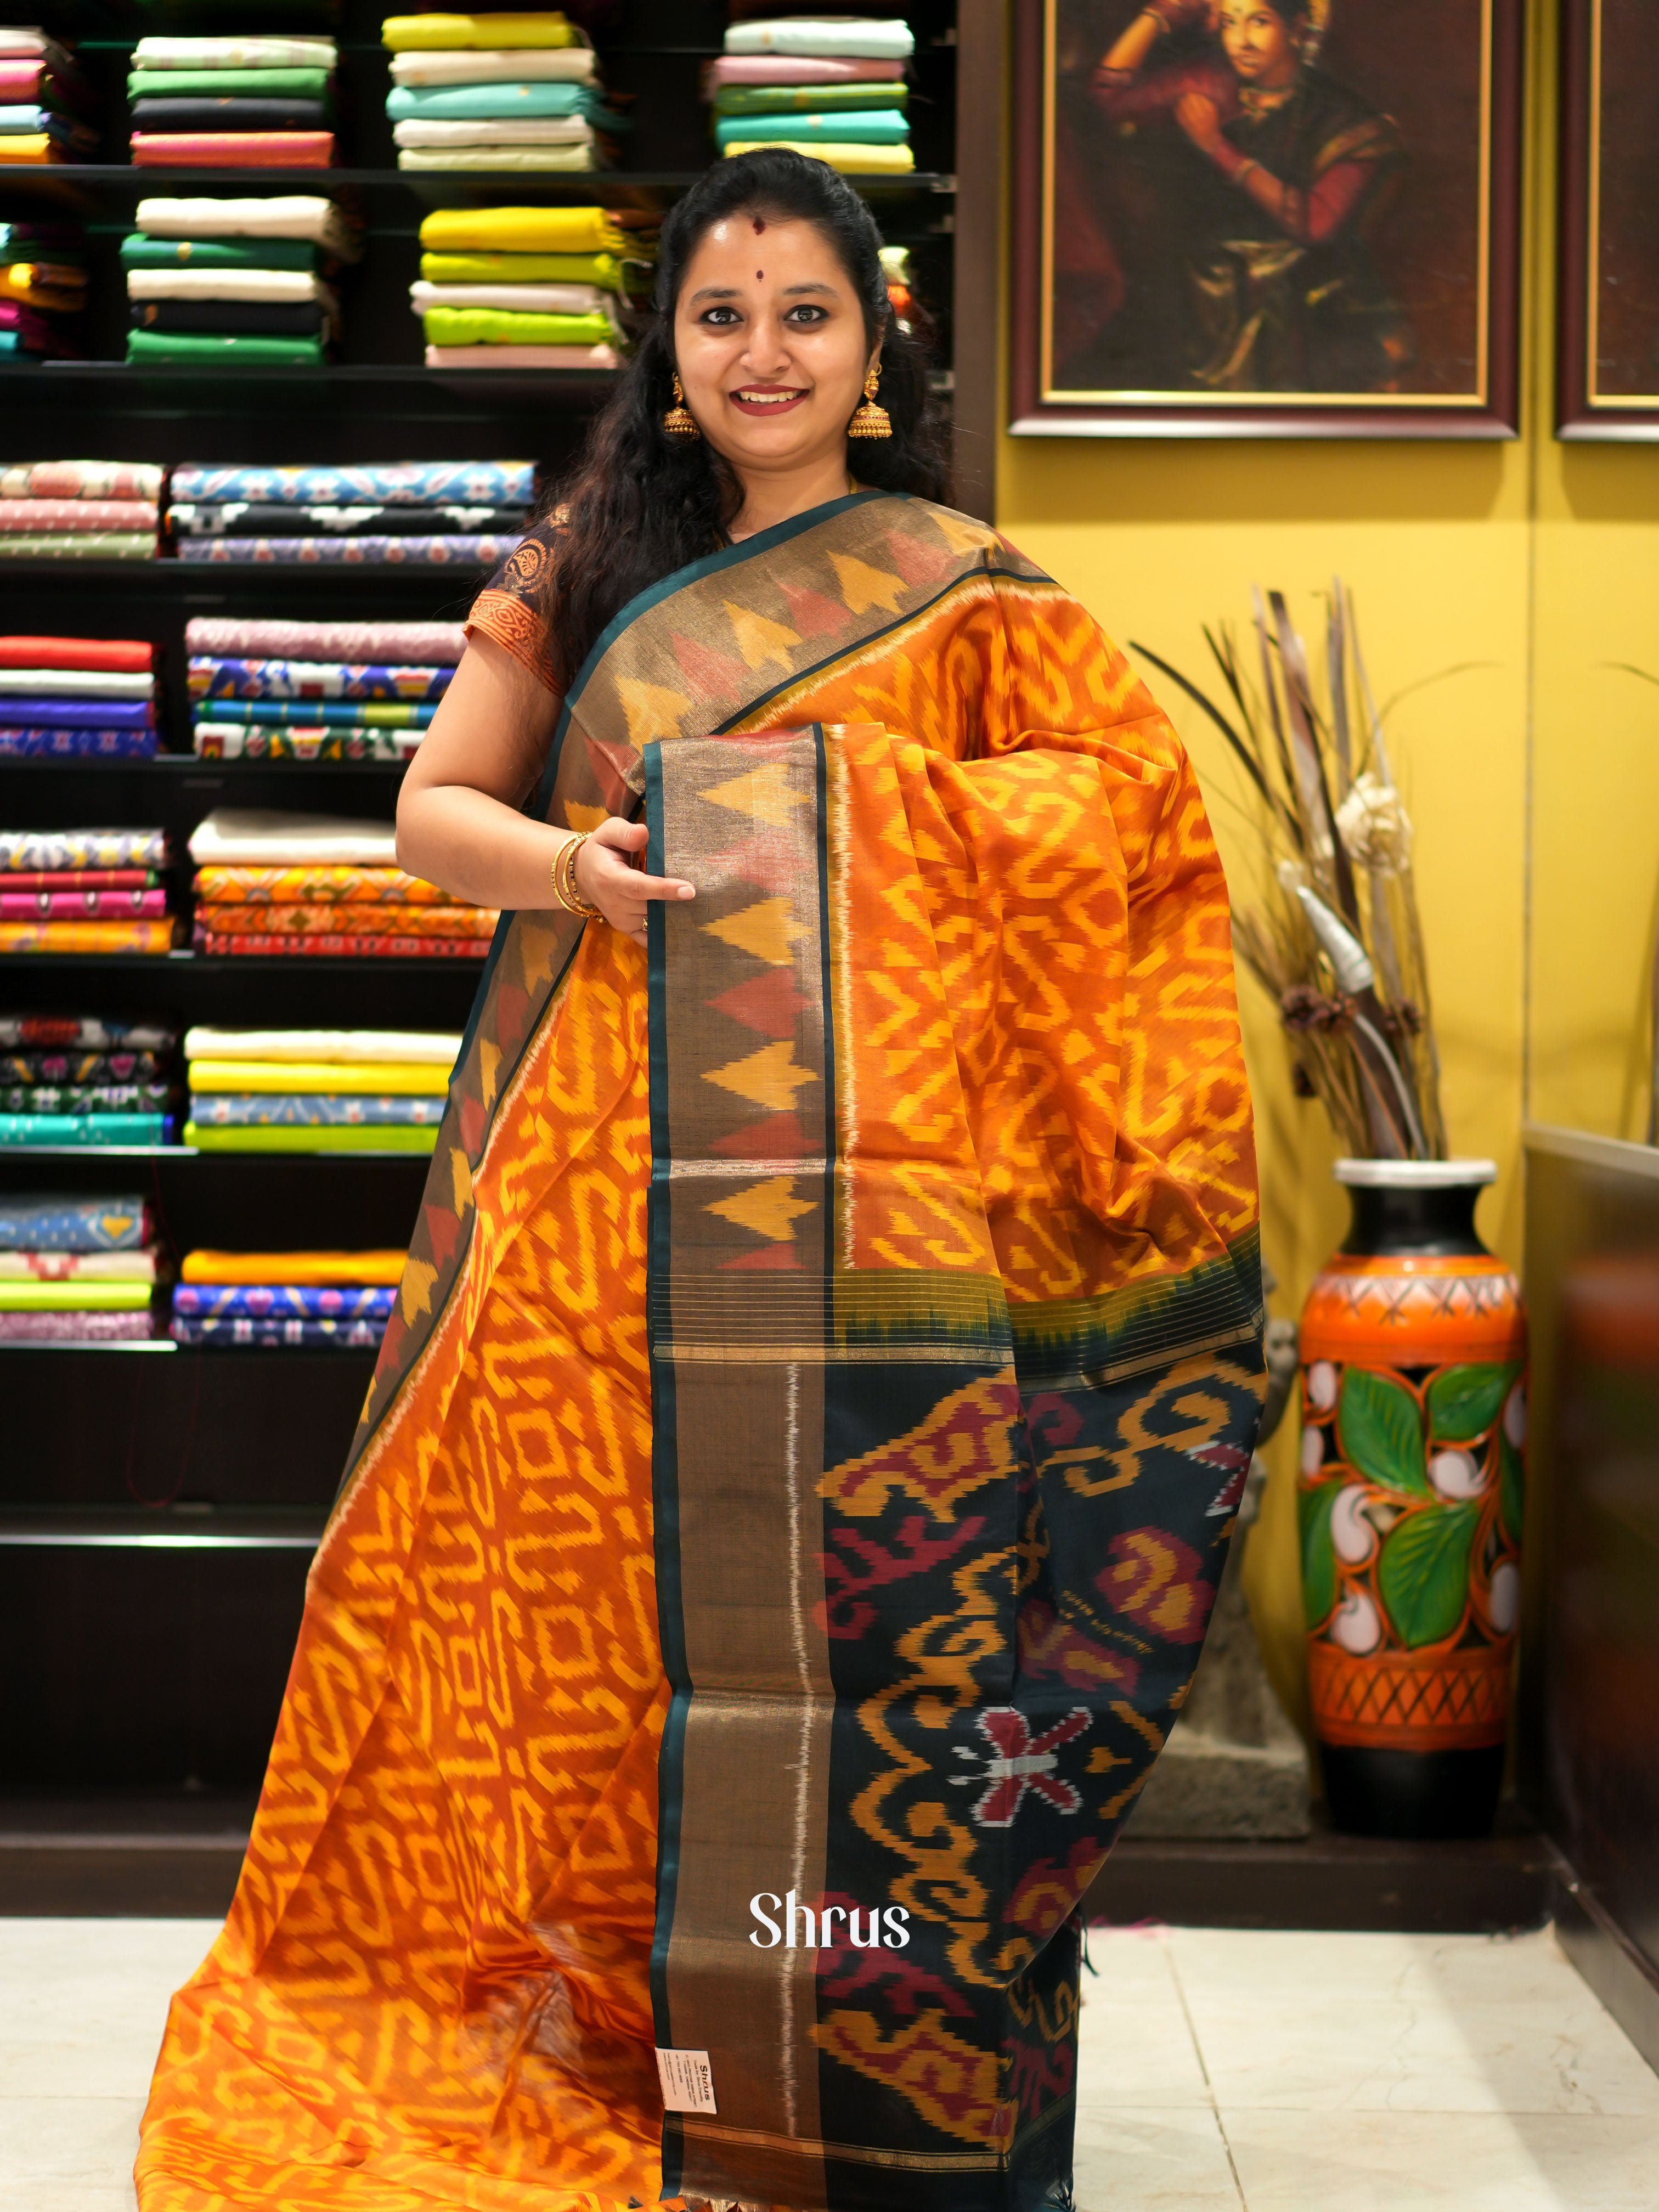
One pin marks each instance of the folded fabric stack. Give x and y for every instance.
(471, 512)
(80, 1080)
(832, 85)
(79, 696)
(316, 1090)
(301, 884)
(233, 103)
(309, 1298)
(43, 285)
(525, 287)
(236, 280)
(229, 725)
(80, 511)
(496, 92)
(112, 868)
(46, 105)
(76, 1270)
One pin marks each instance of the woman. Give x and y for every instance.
(1279, 293)
(785, 1516)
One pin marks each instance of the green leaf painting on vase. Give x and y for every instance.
(1423, 1577)
(1464, 1401)
(1318, 1554)
(1381, 1431)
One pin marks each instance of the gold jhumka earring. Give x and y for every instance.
(872, 421)
(680, 421)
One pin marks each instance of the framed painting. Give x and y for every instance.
(1261, 218)
(1608, 355)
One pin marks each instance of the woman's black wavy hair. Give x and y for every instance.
(641, 503)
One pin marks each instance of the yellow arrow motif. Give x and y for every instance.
(864, 586)
(763, 794)
(769, 1209)
(767, 931)
(652, 710)
(759, 639)
(768, 1077)
(415, 1292)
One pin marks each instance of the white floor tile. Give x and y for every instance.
(1328, 2023)
(69, 2141)
(1357, 2161)
(1134, 2045)
(83, 2001)
(1153, 2161)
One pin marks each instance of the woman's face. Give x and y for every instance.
(1258, 44)
(769, 343)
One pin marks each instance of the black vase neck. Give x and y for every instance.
(1400, 1224)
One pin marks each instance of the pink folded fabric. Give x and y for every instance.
(233, 149)
(521, 356)
(790, 69)
(77, 514)
(20, 81)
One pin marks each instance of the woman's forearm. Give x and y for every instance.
(478, 848)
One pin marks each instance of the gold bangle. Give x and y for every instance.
(564, 878)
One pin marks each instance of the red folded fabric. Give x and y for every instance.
(29, 515)
(127, 656)
(356, 948)
(233, 149)
(72, 879)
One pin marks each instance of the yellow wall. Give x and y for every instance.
(1534, 561)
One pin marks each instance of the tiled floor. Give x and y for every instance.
(1221, 2072)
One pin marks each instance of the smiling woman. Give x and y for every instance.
(802, 1457)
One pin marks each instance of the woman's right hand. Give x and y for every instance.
(607, 879)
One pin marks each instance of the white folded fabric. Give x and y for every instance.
(264, 838)
(75, 684)
(526, 130)
(522, 356)
(235, 53)
(539, 299)
(854, 36)
(524, 65)
(287, 215)
(406, 1048)
(290, 284)
(21, 44)
(495, 156)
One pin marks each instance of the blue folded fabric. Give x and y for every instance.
(288, 1301)
(494, 483)
(215, 675)
(495, 103)
(76, 744)
(312, 714)
(249, 1328)
(73, 1224)
(294, 1110)
(351, 552)
(75, 714)
(852, 126)
(84, 1128)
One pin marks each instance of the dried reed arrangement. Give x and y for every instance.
(1337, 943)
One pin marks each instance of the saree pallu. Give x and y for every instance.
(783, 1523)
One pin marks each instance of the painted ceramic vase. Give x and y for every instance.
(1413, 1464)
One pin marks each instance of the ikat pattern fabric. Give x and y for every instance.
(471, 483)
(74, 1224)
(48, 850)
(405, 643)
(461, 551)
(215, 678)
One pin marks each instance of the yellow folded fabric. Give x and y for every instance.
(210, 1266)
(523, 230)
(25, 146)
(376, 1080)
(74, 1297)
(858, 159)
(409, 34)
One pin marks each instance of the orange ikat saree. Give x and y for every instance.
(784, 1521)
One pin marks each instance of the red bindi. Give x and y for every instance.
(759, 273)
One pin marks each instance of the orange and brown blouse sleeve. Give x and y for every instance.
(510, 609)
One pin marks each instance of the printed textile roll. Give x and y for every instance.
(312, 1110)
(74, 1224)
(81, 1032)
(267, 946)
(418, 483)
(239, 741)
(42, 514)
(55, 742)
(78, 1065)
(83, 848)
(416, 552)
(81, 545)
(345, 883)
(78, 1327)
(415, 641)
(318, 713)
(87, 1097)
(268, 518)
(287, 1300)
(111, 937)
(81, 480)
(310, 1335)
(23, 1130)
(213, 677)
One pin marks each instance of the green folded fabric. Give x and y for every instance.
(806, 99)
(460, 326)
(208, 347)
(345, 1137)
(78, 546)
(476, 103)
(229, 84)
(138, 252)
(877, 126)
(77, 1297)
(601, 269)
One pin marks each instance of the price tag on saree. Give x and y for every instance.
(688, 2081)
